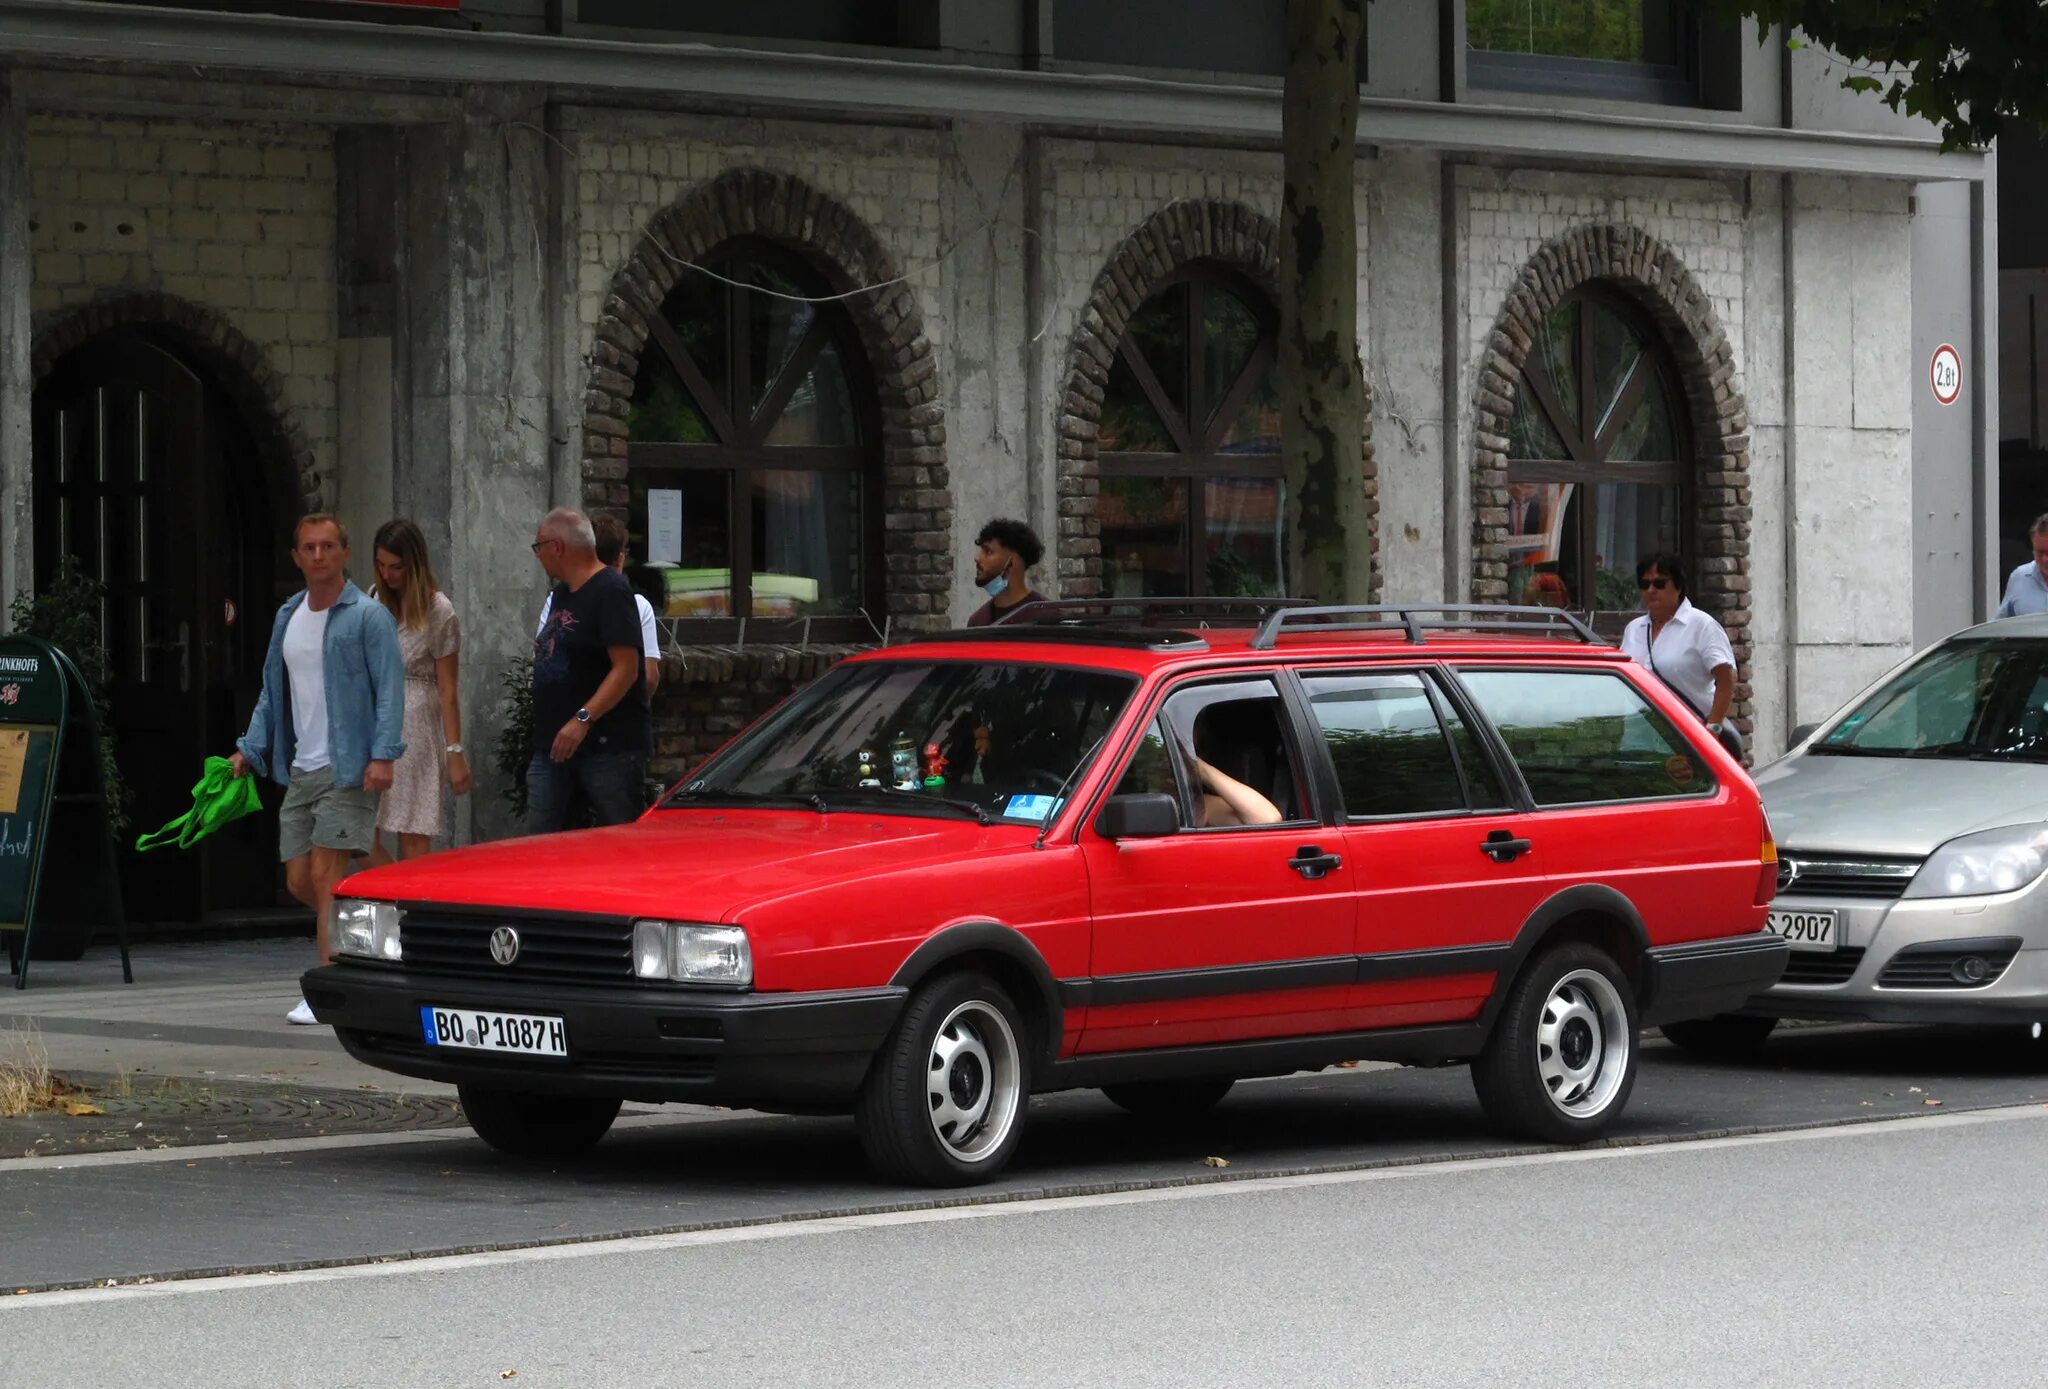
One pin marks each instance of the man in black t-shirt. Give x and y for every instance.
(589, 735)
(1003, 551)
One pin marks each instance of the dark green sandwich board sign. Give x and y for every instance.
(53, 798)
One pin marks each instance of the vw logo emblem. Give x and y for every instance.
(1788, 873)
(504, 945)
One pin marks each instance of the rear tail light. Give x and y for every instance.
(1767, 867)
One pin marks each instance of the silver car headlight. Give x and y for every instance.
(368, 929)
(2001, 860)
(690, 953)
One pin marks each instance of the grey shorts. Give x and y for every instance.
(317, 813)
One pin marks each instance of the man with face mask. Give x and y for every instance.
(1004, 550)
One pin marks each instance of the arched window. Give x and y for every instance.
(754, 453)
(1599, 459)
(1189, 445)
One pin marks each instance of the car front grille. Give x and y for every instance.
(445, 941)
(1818, 967)
(1867, 879)
(1944, 964)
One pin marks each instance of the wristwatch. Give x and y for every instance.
(452, 750)
(583, 716)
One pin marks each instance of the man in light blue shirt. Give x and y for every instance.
(2026, 592)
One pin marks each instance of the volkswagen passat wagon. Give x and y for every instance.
(1100, 846)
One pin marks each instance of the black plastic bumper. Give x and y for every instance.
(1701, 978)
(795, 1050)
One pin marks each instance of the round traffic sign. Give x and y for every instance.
(1945, 374)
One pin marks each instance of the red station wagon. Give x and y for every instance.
(1150, 847)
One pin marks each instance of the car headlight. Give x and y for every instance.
(369, 929)
(692, 954)
(2001, 860)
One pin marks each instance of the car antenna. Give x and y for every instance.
(1060, 796)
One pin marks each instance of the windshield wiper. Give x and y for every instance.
(799, 800)
(898, 796)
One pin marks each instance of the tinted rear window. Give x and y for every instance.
(1392, 751)
(1586, 736)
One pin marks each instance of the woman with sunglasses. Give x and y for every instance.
(1684, 647)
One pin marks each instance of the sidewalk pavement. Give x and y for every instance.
(196, 1050)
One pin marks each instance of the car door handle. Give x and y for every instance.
(1312, 863)
(1502, 847)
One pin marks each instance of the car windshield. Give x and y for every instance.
(965, 739)
(1983, 699)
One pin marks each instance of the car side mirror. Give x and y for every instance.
(1150, 815)
(1803, 732)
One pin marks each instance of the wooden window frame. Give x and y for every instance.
(1195, 458)
(739, 449)
(1587, 463)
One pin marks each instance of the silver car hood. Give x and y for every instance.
(1895, 806)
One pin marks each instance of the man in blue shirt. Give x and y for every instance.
(328, 724)
(2026, 592)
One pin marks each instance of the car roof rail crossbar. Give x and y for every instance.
(1417, 619)
(1071, 634)
(1143, 611)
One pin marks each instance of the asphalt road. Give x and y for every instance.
(1906, 1252)
(294, 1204)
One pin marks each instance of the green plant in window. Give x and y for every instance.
(1234, 574)
(1606, 29)
(662, 412)
(66, 613)
(1616, 591)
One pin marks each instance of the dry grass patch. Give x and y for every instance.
(26, 1085)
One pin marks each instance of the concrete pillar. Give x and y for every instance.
(473, 467)
(17, 379)
(994, 470)
(1402, 292)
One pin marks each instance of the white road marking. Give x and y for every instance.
(599, 1246)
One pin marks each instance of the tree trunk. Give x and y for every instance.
(1322, 394)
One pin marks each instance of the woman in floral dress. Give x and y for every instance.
(429, 637)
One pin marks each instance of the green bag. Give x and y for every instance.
(220, 799)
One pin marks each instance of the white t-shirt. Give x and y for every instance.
(650, 640)
(1688, 651)
(305, 663)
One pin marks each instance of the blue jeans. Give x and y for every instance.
(608, 783)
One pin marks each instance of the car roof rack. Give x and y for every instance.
(1141, 612)
(1415, 620)
(1071, 634)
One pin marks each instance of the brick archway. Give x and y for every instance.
(237, 365)
(1179, 234)
(916, 490)
(1634, 263)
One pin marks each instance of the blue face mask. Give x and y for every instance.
(995, 587)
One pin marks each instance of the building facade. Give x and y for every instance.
(806, 292)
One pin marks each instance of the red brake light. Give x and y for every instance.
(1767, 867)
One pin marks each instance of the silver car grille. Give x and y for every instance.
(1866, 879)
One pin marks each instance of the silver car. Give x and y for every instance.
(1912, 833)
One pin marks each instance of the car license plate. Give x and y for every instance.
(1804, 930)
(516, 1032)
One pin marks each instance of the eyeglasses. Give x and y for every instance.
(1653, 583)
(550, 540)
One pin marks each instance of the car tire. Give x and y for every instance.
(1561, 1060)
(1170, 1099)
(536, 1126)
(1724, 1035)
(945, 1100)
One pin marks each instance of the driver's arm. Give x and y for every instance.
(1249, 806)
